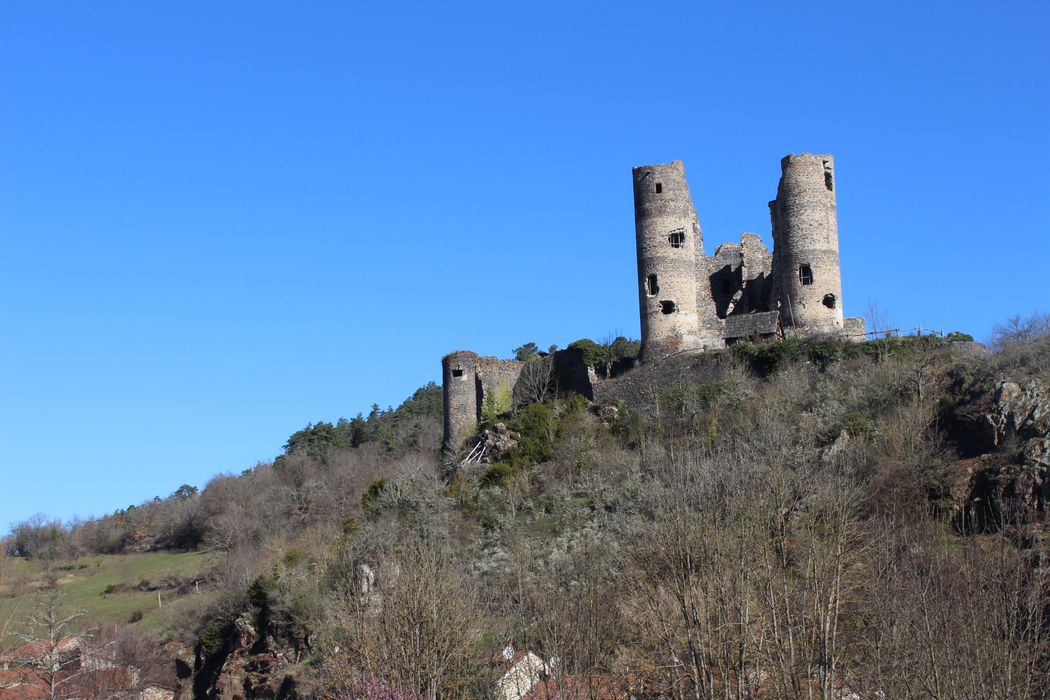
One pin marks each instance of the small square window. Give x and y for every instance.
(677, 238)
(457, 371)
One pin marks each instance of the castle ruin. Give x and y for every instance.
(691, 302)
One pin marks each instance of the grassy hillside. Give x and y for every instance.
(109, 588)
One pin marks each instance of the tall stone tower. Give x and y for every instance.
(670, 252)
(807, 283)
(460, 396)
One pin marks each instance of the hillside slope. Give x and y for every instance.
(787, 520)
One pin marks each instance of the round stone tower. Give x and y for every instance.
(669, 244)
(459, 390)
(807, 281)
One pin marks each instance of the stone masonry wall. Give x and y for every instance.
(668, 240)
(724, 282)
(497, 378)
(757, 274)
(807, 281)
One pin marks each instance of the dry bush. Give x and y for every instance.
(738, 575)
(409, 620)
(948, 617)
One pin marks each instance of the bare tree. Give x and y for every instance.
(1019, 330)
(51, 655)
(536, 383)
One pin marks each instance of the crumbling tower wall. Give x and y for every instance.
(461, 396)
(670, 252)
(807, 283)
(498, 378)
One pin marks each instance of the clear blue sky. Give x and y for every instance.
(220, 221)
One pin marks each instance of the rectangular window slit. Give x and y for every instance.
(651, 287)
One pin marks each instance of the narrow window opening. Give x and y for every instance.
(667, 307)
(677, 238)
(829, 178)
(805, 274)
(659, 187)
(457, 371)
(829, 301)
(651, 287)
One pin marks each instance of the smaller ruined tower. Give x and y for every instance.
(460, 396)
(670, 252)
(807, 282)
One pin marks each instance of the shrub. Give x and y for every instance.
(824, 352)
(213, 638)
(856, 423)
(623, 348)
(259, 591)
(497, 402)
(535, 426)
(526, 352)
(293, 558)
(767, 358)
(496, 474)
(592, 354)
(371, 495)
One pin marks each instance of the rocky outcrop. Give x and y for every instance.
(256, 659)
(1020, 411)
(1011, 481)
(497, 442)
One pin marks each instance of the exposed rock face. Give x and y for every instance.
(498, 442)
(1019, 426)
(1020, 411)
(255, 661)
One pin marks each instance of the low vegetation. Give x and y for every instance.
(794, 520)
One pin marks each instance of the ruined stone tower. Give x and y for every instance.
(675, 315)
(460, 396)
(690, 302)
(807, 283)
(473, 385)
